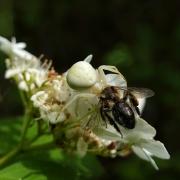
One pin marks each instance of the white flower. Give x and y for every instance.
(51, 99)
(16, 50)
(39, 99)
(60, 89)
(52, 115)
(140, 139)
(28, 78)
(24, 67)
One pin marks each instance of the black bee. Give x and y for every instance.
(120, 110)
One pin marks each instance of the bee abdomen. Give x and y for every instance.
(124, 115)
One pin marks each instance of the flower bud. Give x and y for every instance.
(81, 75)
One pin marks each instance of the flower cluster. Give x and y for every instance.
(70, 104)
(24, 67)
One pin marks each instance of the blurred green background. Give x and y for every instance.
(141, 38)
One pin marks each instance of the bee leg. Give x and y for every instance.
(125, 95)
(135, 102)
(133, 99)
(113, 123)
(102, 115)
(137, 110)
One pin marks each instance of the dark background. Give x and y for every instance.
(141, 38)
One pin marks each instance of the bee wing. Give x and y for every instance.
(141, 92)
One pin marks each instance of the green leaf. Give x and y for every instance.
(36, 165)
(42, 164)
(19, 171)
(51, 165)
(9, 133)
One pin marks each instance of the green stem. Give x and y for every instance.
(26, 123)
(23, 98)
(45, 146)
(11, 154)
(19, 147)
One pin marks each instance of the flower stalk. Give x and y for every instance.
(24, 145)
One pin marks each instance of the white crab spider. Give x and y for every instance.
(101, 79)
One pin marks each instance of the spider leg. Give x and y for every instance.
(109, 68)
(82, 95)
(72, 100)
(112, 69)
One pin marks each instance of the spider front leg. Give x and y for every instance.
(111, 69)
(82, 95)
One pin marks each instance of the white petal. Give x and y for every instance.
(12, 72)
(5, 45)
(52, 117)
(21, 45)
(23, 86)
(116, 80)
(13, 40)
(39, 98)
(144, 154)
(151, 160)
(27, 76)
(139, 152)
(82, 147)
(22, 54)
(156, 148)
(108, 133)
(142, 130)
